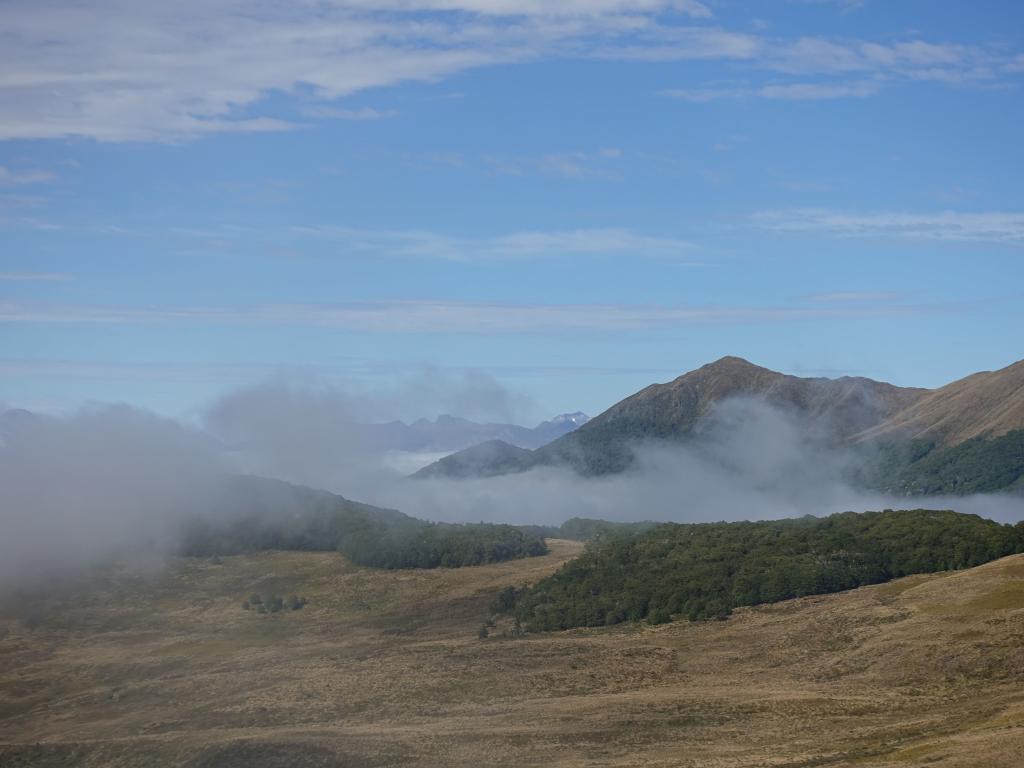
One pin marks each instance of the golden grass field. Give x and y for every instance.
(384, 668)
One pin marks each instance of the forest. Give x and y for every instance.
(250, 514)
(705, 570)
(919, 467)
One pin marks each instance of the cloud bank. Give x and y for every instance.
(139, 70)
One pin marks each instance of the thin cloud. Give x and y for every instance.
(778, 92)
(10, 178)
(563, 165)
(360, 115)
(852, 297)
(35, 277)
(516, 246)
(145, 71)
(950, 226)
(416, 317)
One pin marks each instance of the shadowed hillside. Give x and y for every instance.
(241, 513)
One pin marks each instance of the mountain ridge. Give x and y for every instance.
(844, 410)
(454, 433)
(985, 404)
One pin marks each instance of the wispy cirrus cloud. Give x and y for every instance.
(853, 297)
(13, 178)
(564, 165)
(35, 277)
(779, 92)
(360, 115)
(991, 227)
(514, 246)
(418, 317)
(139, 70)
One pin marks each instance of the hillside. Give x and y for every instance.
(242, 514)
(494, 457)
(832, 408)
(705, 570)
(895, 425)
(452, 433)
(985, 405)
(384, 668)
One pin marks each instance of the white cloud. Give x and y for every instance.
(34, 277)
(852, 297)
(513, 246)
(993, 227)
(809, 91)
(9, 178)
(361, 114)
(448, 316)
(779, 91)
(125, 70)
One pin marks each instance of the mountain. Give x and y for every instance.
(547, 431)
(839, 407)
(494, 457)
(452, 433)
(844, 411)
(986, 404)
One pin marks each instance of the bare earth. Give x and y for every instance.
(385, 668)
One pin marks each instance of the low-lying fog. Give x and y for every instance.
(114, 478)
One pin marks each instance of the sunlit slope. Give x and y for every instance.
(385, 668)
(986, 404)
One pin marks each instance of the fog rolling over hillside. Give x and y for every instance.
(855, 416)
(755, 445)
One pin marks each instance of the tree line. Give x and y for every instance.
(255, 514)
(703, 571)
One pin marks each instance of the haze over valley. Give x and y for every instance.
(425, 383)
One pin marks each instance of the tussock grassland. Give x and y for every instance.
(384, 668)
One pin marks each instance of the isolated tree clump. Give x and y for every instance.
(273, 603)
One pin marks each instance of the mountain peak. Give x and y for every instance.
(578, 418)
(734, 363)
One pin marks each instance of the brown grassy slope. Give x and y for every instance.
(986, 404)
(385, 669)
(848, 404)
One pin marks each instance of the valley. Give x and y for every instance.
(385, 668)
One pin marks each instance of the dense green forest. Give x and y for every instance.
(923, 467)
(703, 571)
(584, 529)
(249, 514)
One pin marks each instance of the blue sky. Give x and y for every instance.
(574, 201)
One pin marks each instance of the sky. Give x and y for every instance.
(569, 201)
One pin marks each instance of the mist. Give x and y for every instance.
(102, 480)
(115, 480)
(748, 461)
(314, 433)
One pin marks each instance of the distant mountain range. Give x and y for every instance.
(972, 424)
(451, 433)
(444, 434)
